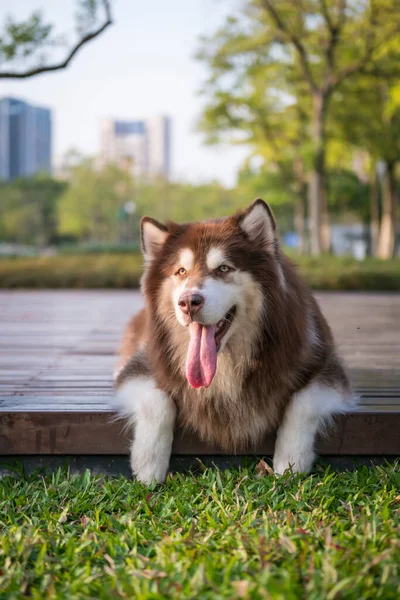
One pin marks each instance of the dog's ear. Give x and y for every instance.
(259, 224)
(152, 237)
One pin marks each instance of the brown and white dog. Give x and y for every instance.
(231, 344)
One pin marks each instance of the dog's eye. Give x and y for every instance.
(224, 268)
(181, 271)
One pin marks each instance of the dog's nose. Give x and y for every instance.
(190, 302)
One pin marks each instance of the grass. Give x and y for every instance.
(124, 271)
(217, 534)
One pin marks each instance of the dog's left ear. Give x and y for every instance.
(259, 224)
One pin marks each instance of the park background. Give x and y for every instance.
(297, 101)
(300, 106)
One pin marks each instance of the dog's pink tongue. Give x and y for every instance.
(201, 359)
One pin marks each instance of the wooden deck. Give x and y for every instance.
(57, 356)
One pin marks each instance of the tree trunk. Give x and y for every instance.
(318, 215)
(325, 229)
(301, 203)
(314, 211)
(300, 222)
(387, 234)
(374, 210)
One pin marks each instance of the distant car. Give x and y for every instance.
(291, 239)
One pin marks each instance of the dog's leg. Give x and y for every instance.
(305, 413)
(153, 414)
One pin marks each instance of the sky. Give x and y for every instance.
(141, 66)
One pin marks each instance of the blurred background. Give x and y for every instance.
(110, 110)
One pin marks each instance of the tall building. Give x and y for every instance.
(142, 147)
(159, 145)
(25, 139)
(124, 143)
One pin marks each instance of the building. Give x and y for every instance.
(25, 139)
(124, 143)
(142, 147)
(159, 146)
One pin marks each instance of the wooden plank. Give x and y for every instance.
(41, 398)
(98, 433)
(61, 405)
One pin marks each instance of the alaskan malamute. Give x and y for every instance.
(231, 344)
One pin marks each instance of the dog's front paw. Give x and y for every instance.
(295, 464)
(150, 474)
(147, 469)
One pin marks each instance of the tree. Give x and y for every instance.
(370, 120)
(252, 179)
(275, 127)
(92, 208)
(25, 43)
(318, 43)
(28, 210)
(181, 202)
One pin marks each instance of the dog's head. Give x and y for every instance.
(209, 281)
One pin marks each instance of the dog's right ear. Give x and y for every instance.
(152, 237)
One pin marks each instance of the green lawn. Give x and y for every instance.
(220, 534)
(124, 271)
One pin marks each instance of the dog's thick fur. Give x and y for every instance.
(277, 367)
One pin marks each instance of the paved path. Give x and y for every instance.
(53, 341)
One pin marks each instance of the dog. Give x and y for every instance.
(231, 344)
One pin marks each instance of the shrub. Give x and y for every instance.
(124, 271)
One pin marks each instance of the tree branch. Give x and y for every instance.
(327, 17)
(334, 29)
(358, 65)
(62, 65)
(270, 8)
(341, 10)
(371, 46)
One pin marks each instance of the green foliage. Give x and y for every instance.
(86, 15)
(81, 271)
(217, 534)
(333, 273)
(26, 45)
(89, 209)
(251, 100)
(253, 183)
(367, 115)
(20, 40)
(91, 248)
(182, 202)
(28, 210)
(287, 79)
(92, 206)
(347, 194)
(124, 271)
